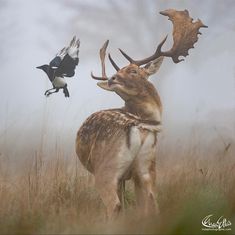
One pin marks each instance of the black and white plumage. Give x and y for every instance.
(63, 65)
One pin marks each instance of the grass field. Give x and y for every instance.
(57, 196)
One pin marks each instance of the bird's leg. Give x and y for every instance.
(47, 93)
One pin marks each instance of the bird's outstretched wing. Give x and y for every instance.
(55, 63)
(69, 62)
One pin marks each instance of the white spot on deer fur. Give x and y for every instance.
(146, 154)
(127, 154)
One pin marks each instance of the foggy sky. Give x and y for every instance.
(200, 89)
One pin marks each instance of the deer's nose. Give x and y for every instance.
(112, 80)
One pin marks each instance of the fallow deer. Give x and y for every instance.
(119, 144)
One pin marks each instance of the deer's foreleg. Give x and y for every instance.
(145, 194)
(144, 177)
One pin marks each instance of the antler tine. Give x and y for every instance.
(97, 78)
(157, 54)
(126, 56)
(102, 59)
(113, 63)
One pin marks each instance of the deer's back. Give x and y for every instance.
(107, 134)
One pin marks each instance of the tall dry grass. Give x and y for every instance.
(57, 196)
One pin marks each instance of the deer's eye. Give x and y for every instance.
(133, 71)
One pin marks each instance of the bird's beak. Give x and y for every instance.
(39, 67)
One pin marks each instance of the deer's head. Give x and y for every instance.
(131, 82)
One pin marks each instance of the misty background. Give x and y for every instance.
(198, 95)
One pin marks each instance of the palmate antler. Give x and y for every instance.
(185, 35)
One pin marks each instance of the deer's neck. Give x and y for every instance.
(147, 107)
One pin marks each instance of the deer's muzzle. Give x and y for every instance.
(114, 80)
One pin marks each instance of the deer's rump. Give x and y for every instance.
(101, 135)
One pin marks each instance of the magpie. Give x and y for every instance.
(63, 65)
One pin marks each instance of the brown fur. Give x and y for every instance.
(105, 133)
(145, 93)
(113, 144)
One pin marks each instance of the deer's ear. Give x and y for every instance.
(104, 85)
(153, 66)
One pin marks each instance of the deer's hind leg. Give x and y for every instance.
(110, 172)
(108, 190)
